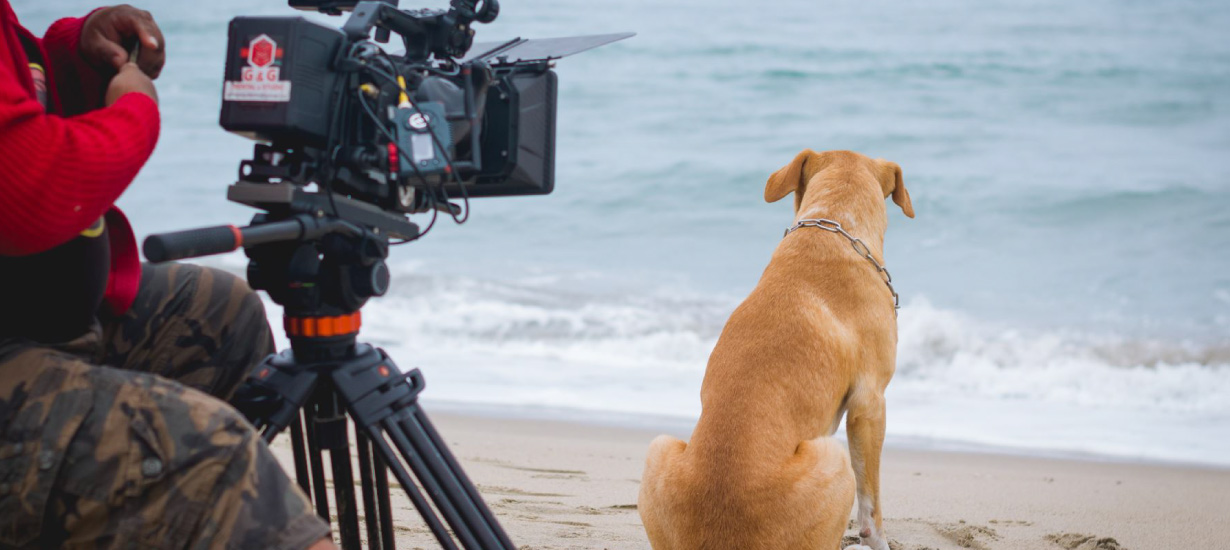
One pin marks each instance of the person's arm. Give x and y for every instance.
(83, 53)
(79, 85)
(59, 175)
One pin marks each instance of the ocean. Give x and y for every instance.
(1065, 285)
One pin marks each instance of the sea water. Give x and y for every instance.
(1065, 284)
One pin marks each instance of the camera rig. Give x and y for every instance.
(352, 139)
(407, 133)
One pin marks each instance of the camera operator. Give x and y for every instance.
(112, 432)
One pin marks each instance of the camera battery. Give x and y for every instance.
(420, 133)
(280, 80)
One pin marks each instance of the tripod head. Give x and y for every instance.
(320, 257)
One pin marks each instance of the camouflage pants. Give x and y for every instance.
(111, 441)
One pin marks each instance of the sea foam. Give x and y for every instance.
(959, 380)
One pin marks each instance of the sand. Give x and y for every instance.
(562, 485)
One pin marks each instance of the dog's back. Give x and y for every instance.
(814, 337)
(741, 484)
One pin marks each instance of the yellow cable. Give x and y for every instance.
(405, 99)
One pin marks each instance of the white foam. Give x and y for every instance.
(942, 352)
(958, 379)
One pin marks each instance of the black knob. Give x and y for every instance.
(489, 11)
(372, 280)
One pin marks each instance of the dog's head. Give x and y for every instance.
(806, 166)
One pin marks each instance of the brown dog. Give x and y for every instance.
(816, 338)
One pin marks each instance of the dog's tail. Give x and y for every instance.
(654, 504)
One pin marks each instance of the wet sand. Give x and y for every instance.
(562, 485)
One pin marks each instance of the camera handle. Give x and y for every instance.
(446, 34)
(322, 269)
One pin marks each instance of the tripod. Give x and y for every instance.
(322, 269)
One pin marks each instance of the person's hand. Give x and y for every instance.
(107, 30)
(131, 78)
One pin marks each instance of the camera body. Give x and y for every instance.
(331, 104)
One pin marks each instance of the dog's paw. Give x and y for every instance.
(869, 538)
(857, 547)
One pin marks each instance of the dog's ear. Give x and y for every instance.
(901, 196)
(788, 179)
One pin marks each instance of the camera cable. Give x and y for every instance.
(452, 170)
(393, 139)
(465, 194)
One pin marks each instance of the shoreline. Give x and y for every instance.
(681, 427)
(564, 484)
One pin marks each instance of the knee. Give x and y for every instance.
(250, 305)
(251, 315)
(240, 314)
(865, 404)
(242, 304)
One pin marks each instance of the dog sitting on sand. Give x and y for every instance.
(816, 339)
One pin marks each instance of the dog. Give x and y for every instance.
(815, 340)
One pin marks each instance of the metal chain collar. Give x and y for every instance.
(859, 246)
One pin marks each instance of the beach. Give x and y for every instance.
(558, 485)
(1063, 357)
(1061, 286)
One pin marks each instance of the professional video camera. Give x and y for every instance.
(353, 139)
(406, 132)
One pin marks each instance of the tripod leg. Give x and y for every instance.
(343, 495)
(416, 498)
(371, 514)
(386, 507)
(318, 468)
(333, 433)
(450, 489)
(385, 405)
(437, 487)
(300, 452)
(450, 466)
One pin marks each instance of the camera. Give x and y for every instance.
(352, 139)
(405, 131)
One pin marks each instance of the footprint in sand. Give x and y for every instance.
(1073, 541)
(550, 473)
(1011, 522)
(499, 490)
(967, 536)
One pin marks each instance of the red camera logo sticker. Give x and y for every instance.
(260, 81)
(261, 51)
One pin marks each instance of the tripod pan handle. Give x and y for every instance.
(165, 247)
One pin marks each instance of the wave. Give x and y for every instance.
(542, 345)
(944, 352)
(940, 351)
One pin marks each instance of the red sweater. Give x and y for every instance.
(60, 172)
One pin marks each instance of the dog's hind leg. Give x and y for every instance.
(653, 502)
(865, 430)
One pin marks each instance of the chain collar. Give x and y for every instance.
(859, 246)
